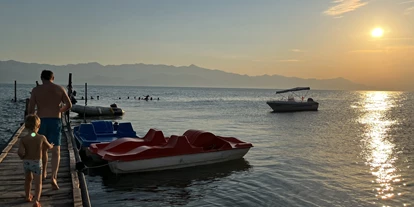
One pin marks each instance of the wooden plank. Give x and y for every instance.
(13, 153)
(62, 149)
(49, 192)
(8, 147)
(2, 156)
(16, 176)
(63, 152)
(63, 160)
(11, 143)
(19, 168)
(77, 194)
(46, 186)
(12, 176)
(21, 181)
(46, 202)
(19, 176)
(12, 179)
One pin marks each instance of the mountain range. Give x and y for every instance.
(161, 75)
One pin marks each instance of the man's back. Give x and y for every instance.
(48, 98)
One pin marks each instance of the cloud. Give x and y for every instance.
(410, 6)
(385, 49)
(227, 56)
(367, 51)
(399, 38)
(407, 2)
(409, 10)
(297, 50)
(289, 60)
(344, 6)
(273, 60)
(401, 47)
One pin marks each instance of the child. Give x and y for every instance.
(30, 151)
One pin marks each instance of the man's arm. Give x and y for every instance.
(67, 103)
(32, 102)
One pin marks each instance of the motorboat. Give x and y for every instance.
(291, 104)
(156, 152)
(100, 131)
(112, 110)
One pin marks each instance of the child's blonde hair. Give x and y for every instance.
(32, 122)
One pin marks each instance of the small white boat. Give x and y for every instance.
(290, 104)
(113, 110)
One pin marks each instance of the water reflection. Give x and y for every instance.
(378, 147)
(172, 187)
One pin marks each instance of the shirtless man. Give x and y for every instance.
(48, 98)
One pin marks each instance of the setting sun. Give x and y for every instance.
(377, 32)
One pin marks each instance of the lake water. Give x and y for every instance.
(357, 150)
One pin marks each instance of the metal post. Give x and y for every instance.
(15, 91)
(86, 102)
(69, 94)
(70, 85)
(86, 94)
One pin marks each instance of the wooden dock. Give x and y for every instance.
(12, 176)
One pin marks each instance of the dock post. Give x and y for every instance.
(69, 94)
(70, 85)
(15, 91)
(86, 102)
(86, 94)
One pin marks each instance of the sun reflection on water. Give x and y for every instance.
(378, 147)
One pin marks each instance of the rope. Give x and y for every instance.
(81, 167)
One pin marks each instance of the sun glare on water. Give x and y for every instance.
(377, 32)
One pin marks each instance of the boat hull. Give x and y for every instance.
(286, 106)
(174, 162)
(94, 157)
(99, 131)
(96, 110)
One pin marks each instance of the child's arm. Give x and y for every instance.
(21, 151)
(46, 143)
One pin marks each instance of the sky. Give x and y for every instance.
(301, 38)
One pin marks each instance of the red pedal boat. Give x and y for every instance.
(156, 152)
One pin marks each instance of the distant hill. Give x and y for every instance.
(161, 75)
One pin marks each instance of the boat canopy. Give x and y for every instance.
(293, 89)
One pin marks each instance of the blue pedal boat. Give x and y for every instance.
(99, 131)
